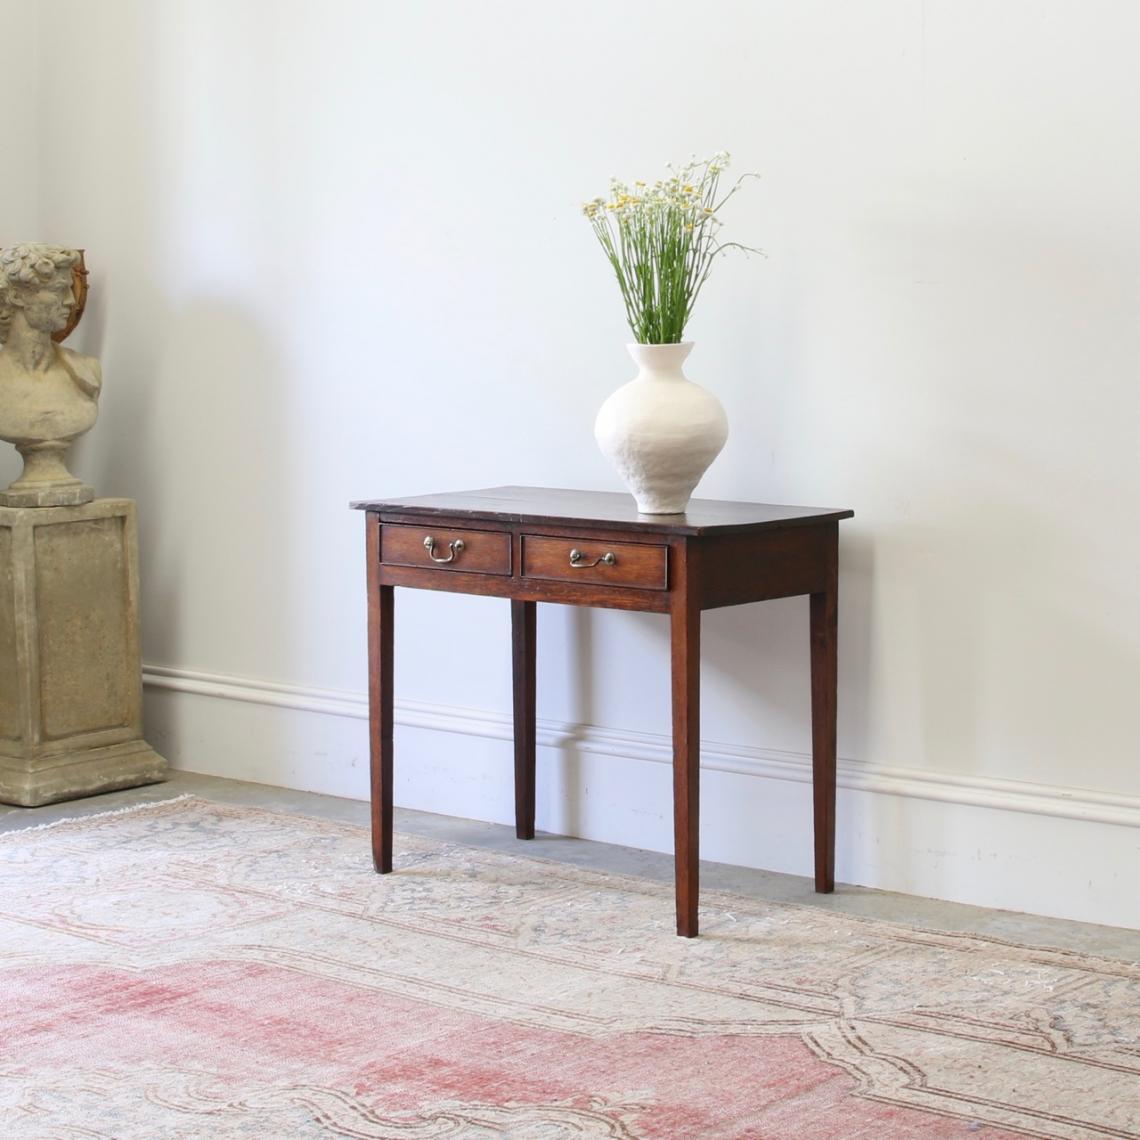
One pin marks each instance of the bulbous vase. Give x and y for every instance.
(661, 431)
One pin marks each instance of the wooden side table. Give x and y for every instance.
(532, 544)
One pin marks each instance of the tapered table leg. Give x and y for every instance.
(381, 611)
(824, 680)
(685, 623)
(523, 644)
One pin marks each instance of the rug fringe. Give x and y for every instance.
(98, 815)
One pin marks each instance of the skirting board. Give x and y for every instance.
(1048, 850)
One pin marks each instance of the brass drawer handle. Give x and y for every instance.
(576, 556)
(455, 547)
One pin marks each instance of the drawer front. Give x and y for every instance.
(473, 551)
(594, 560)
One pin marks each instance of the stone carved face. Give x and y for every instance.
(37, 280)
(48, 307)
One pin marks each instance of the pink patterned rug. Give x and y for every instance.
(195, 970)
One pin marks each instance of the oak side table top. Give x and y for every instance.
(602, 509)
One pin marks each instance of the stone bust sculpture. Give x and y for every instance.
(48, 394)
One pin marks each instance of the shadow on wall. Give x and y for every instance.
(10, 464)
(90, 337)
(755, 692)
(580, 667)
(207, 452)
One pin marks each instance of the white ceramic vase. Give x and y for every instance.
(661, 431)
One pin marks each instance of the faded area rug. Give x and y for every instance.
(196, 970)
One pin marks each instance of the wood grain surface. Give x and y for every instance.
(635, 564)
(483, 552)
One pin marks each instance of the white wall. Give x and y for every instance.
(336, 254)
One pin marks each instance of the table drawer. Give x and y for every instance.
(567, 558)
(473, 551)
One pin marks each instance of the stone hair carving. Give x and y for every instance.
(34, 265)
(48, 393)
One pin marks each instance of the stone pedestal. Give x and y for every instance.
(70, 668)
(46, 481)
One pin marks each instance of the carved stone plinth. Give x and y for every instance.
(70, 669)
(45, 481)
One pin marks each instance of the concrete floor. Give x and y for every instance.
(910, 909)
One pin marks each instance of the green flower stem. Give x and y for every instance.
(661, 242)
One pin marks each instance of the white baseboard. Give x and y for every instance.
(1023, 846)
(976, 791)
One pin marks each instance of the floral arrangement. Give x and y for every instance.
(662, 241)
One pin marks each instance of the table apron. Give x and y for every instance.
(526, 589)
(736, 569)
